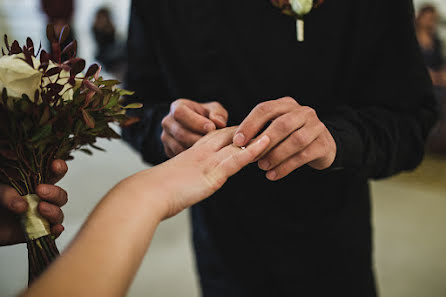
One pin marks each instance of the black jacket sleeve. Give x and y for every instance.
(383, 130)
(145, 79)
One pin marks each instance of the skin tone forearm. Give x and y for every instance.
(107, 252)
(110, 247)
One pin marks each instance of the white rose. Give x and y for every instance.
(301, 7)
(18, 77)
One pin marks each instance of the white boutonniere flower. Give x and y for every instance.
(297, 9)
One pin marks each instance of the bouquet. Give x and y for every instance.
(48, 109)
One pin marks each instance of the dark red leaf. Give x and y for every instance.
(55, 50)
(89, 85)
(40, 47)
(15, 48)
(7, 43)
(88, 98)
(44, 57)
(64, 34)
(72, 81)
(77, 66)
(50, 33)
(44, 66)
(92, 70)
(52, 71)
(71, 49)
(30, 45)
(88, 119)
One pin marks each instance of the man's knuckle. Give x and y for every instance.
(320, 127)
(288, 100)
(298, 138)
(164, 136)
(179, 112)
(283, 124)
(180, 135)
(165, 122)
(304, 156)
(264, 107)
(308, 111)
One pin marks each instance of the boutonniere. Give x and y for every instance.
(297, 9)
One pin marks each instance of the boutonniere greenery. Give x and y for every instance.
(297, 9)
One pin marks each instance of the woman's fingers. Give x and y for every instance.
(233, 159)
(11, 200)
(59, 169)
(52, 194)
(219, 139)
(51, 212)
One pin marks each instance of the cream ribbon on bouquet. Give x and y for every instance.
(297, 9)
(35, 225)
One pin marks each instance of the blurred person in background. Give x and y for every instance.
(60, 13)
(431, 46)
(426, 29)
(351, 103)
(110, 52)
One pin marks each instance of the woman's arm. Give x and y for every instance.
(105, 255)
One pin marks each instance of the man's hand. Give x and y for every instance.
(188, 121)
(297, 136)
(12, 205)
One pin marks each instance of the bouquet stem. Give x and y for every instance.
(42, 249)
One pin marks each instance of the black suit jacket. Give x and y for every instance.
(359, 67)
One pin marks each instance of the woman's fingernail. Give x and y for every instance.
(209, 127)
(264, 164)
(271, 175)
(239, 139)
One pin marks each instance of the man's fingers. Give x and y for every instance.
(59, 169)
(192, 120)
(310, 153)
(11, 200)
(217, 114)
(185, 137)
(294, 143)
(52, 194)
(170, 144)
(284, 126)
(51, 212)
(260, 116)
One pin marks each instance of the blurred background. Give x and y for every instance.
(409, 210)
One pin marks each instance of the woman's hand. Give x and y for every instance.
(125, 220)
(198, 172)
(12, 205)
